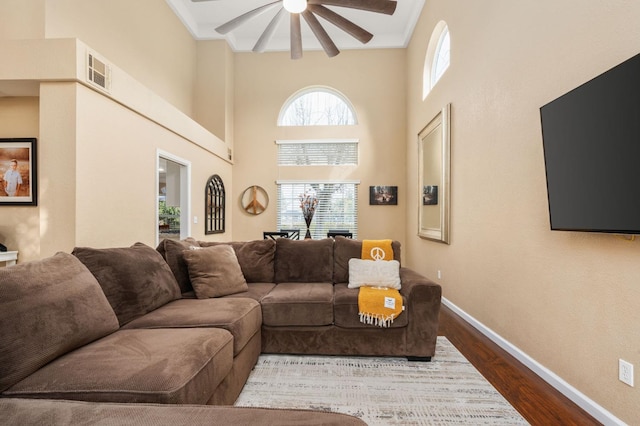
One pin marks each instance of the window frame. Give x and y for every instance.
(320, 224)
(320, 157)
(429, 80)
(307, 91)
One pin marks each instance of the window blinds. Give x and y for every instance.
(318, 152)
(337, 206)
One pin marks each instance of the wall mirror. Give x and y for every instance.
(433, 177)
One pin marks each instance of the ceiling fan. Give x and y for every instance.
(308, 9)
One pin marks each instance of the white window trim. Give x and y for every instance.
(322, 155)
(312, 89)
(316, 181)
(311, 141)
(355, 183)
(432, 50)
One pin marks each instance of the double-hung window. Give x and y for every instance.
(337, 206)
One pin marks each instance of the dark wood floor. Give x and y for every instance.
(537, 401)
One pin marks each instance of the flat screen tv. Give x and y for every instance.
(591, 140)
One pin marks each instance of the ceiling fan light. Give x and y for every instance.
(295, 6)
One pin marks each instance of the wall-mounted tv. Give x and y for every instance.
(591, 140)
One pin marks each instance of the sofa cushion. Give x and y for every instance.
(19, 411)
(256, 291)
(214, 271)
(135, 279)
(172, 250)
(345, 249)
(256, 258)
(296, 304)
(241, 317)
(378, 273)
(161, 366)
(345, 310)
(304, 261)
(48, 308)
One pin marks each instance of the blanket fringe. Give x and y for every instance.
(376, 319)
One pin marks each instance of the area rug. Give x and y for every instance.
(381, 391)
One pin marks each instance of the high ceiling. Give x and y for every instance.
(202, 17)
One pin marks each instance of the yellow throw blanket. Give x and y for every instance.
(379, 305)
(377, 250)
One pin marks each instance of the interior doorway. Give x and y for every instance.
(173, 198)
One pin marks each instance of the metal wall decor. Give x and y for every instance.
(214, 202)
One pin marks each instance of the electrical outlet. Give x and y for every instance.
(439, 274)
(625, 372)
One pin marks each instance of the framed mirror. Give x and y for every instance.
(434, 152)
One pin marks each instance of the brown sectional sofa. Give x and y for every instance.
(124, 325)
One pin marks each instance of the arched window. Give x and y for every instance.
(438, 57)
(214, 206)
(337, 200)
(317, 106)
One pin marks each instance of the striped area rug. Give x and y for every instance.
(381, 391)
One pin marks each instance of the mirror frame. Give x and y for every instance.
(442, 119)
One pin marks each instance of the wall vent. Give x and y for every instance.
(98, 73)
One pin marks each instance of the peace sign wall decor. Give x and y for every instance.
(254, 200)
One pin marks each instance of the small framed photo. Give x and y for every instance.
(383, 195)
(430, 195)
(18, 172)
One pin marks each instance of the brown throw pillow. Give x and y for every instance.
(135, 279)
(256, 258)
(172, 251)
(215, 271)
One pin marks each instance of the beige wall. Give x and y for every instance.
(372, 80)
(19, 226)
(214, 97)
(116, 169)
(143, 37)
(569, 300)
(21, 19)
(97, 153)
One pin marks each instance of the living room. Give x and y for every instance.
(563, 300)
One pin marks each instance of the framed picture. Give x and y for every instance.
(383, 195)
(18, 172)
(430, 195)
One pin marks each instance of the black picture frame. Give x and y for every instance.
(18, 155)
(383, 195)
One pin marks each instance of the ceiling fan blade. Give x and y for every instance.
(344, 24)
(387, 7)
(236, 22)
(268, 32)
(327, 44)
(296, 37)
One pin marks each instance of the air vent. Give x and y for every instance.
(98, 73)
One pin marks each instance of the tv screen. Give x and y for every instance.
(591, 140)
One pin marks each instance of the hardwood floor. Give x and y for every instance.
(537, 401)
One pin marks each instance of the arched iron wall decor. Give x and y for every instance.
(214, 202)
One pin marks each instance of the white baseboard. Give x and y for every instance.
(584, 402)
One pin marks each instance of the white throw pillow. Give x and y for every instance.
(375, 273)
